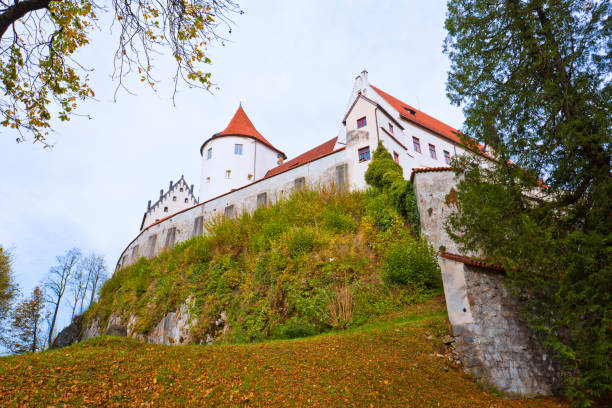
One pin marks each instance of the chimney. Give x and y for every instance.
(161, 193)
(149, 206)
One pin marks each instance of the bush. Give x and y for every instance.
(411, 263)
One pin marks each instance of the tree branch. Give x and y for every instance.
(18, 10)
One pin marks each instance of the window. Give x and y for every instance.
(174, 198)
(165, 209)
(135, 253)
(432, 151)
(170, 236)
(396, 157)
(209, 153)
(238, 149)
(364, 154)
(417, 144)
(361, 122)
(390, 128)
(250, 177)
(262, 199)
(299, 183)
(341, 176)
(151, 250)
(228, 174)
(186, 200)
(447, 157)
(197, 226)
(208, 179)
(229, 211)
(181, 189)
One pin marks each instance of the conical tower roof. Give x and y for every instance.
(241, 125)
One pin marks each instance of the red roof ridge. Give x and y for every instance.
(315, 153)
(470, 261)
(427, 170)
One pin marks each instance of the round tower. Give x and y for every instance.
(237, 156)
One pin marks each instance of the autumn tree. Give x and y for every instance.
(26, 324)
(8, 290)
(43, 78)
(534, 79)
(57, 282)
(96, 274)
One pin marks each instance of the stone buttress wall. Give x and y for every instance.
(493, 342)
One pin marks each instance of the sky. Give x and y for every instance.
(291, 63)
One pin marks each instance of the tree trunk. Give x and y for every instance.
(18, 10)
(53, 322)
(34, 339)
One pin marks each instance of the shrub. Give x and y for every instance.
(383, 170)
(300, 241)
(334, 219)
(411, 263)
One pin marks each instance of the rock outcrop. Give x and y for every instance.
(70, 334)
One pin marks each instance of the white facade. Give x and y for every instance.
(231, 162)
(256, 178)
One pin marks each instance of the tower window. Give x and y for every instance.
(364, 154)
(417, 144)
(174, 198)
(181, 189)
(361, 122)
(390, 128)
(447, 157)
(228, 174)
(208, 179)
(186, 200)
(165, 209)
(238, 149)
(396, 157)
(209, 153)
(432, 151)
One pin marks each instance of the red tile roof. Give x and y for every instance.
(427, 170)
(470, 261)
(419, 117)
(241, 125)
(311, 155)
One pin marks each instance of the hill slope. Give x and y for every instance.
(393, 364)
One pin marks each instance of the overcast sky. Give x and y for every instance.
(292, 62)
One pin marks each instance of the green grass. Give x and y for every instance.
(392, 363)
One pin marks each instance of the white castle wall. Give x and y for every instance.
(256, 159)
(187, 224)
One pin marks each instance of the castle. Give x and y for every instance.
(242, 170)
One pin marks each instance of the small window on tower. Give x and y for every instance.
(186, 200)
(361, 122)
(238, 149)
(390, 128)
(364, 154)
(165, 209)
(228, 174)
(181, 189)
(447, 157)
(209, 153)
(250, 177)
(174, 198)
(396, 157)
(208, 179)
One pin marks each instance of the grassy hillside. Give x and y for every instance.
(390, 364)
(316, 261)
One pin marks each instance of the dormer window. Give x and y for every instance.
(238, 149)
(412, 112)
(390, 128)
(228, 174)
(361, 122)
(209, 153)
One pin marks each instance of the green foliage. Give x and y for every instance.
(534, 79)
(305, 265)
(412, 262)
(383, 170)
(7, 286)
(27, 323)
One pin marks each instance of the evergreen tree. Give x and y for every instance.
(534, 79)
(26, 324)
